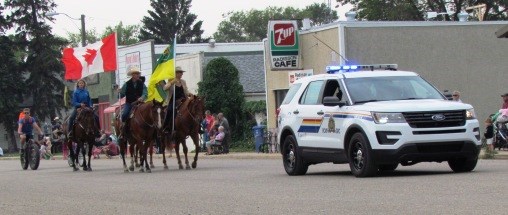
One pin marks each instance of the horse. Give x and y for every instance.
(84, 132)
(187, 123)
(144, 125)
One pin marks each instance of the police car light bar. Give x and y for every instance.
(352, 68)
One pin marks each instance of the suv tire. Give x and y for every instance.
(293, 161)
(463, 164)
(360, 158)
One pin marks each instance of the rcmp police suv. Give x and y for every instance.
(374, 120)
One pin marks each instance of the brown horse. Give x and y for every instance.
(84, 132)
(187, 123)
(145, 123)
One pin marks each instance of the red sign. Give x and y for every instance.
(284, 34)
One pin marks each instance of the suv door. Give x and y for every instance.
(309, 113)
(333, 117)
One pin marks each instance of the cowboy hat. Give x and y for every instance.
(132, 70)
(179, 69)
(56, 118)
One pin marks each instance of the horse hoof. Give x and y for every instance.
(166, 167)
(89, 169)
(131, 168)
(125, 170)
(137, 165)
(76, 169)
(187, 167)
(194, 165)
(141, 170)
(180, 167)
(149, 171)
(152, 166)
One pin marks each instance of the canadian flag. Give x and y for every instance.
(94, 58)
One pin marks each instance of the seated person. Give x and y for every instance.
(215, 140)
(101, 141)
(110, 149)
(46, 149)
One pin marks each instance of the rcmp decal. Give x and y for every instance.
(313, 125)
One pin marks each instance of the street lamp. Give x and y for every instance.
(83, 32)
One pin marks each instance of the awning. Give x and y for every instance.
(112, 108)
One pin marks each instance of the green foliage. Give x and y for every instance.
(251, 26)
(252, 107)
(75, 38)
(170, 17)
(403, 10)
(126, 35)
(222, 91)
(40, 70)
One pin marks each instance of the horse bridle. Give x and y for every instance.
(87, 130)
(190, 113)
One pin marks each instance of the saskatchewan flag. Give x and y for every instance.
(165, 69)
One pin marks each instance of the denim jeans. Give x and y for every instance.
(126, 111)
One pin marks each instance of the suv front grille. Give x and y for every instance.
(425, 119)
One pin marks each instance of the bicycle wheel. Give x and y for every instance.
(23, 159)
(35, 156)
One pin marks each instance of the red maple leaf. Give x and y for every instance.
(90, 56)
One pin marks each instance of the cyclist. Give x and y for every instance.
(25, 127)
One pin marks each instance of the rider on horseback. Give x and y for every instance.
(135, 91)
(81, 99)
(181, 92)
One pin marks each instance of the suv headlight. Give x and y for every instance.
(470, 114)
(382, 118)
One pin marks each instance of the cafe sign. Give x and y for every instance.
(284, 44)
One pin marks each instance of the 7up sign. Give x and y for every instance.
(284, 48)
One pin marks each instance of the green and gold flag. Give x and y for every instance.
(164, 70)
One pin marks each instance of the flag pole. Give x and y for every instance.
(174, 85)
(117, 77)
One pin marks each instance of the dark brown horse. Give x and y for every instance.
(145, 123)
(187, 123)
(84, 132)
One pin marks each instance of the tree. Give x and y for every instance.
(251, 26)
(126, 35)
(223, 94)
(403, 10)
(75, 38)
(40, 71)
(319, 14)
(168, 18)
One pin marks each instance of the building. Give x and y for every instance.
(463, 56)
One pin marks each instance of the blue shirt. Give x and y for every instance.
(81, 96)
(27, 127)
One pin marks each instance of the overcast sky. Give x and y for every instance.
(102, 13)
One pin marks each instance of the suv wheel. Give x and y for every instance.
(360, 159)
(293, 161)
(463, 164)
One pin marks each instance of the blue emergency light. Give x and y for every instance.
(354, 68)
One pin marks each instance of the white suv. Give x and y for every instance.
(374, 120)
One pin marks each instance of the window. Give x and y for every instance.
(390, 88)
(291, 93)
(311, 94)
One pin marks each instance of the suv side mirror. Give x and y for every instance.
(333, 101)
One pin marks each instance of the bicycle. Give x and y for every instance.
(30, 155)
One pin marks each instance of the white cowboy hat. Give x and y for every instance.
(56, 118)
(179, 69)
(132, 70)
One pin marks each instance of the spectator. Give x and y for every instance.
(1, 152)
(456, 96)
(57, 127)
(209, 122)
(46, 149)
(111, 149)
(101, 141)
(227, 139)
(505, 101)
(217, 140)
(489, 133)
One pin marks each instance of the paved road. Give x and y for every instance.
(234, 185)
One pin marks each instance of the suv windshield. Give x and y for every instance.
(369, 89)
